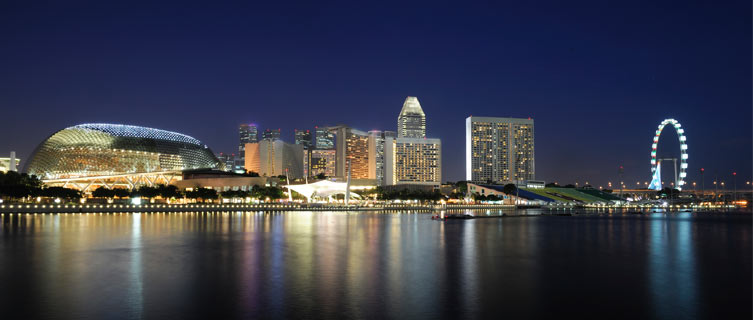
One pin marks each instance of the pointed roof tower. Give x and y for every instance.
(411, 123)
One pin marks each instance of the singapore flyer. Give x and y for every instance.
(656, 183)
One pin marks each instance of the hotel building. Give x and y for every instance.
(413, 161)
(352, 148)
(499, 150)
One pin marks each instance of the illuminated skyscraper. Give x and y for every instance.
(352, 147)
(324, 138)
(411, 123)
(322, 161)
(248, 133)
(412, 161)
(303, 137)
(271, 134)
(376, 156)
(499, 149)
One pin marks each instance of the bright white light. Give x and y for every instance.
(684, 165)
(682, 175)
(685, 156)
(684, 147)
(136, 201)
(682, 138)
(680, 131)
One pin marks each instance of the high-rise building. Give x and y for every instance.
(271, 134)
(303, 137)
(272, 157)
(499, 150)
(412, 161)
(411, 123)
(376, 156)
(352, 148)
(322, 161)
(324, 138)
(228, 159)
(248, 133)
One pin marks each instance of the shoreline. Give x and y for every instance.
(425, 208)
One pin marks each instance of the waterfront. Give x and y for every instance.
(374, 265)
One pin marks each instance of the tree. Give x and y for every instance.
(103, 192)
(321, 176)
(252, 173)
(552, 185)
(569, 185)
(168, 192)
(510, 189)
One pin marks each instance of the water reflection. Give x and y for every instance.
(365, 265)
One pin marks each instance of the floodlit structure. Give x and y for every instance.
(411, 123)
(322, 161)
(9, 164)
(499, 150)
(324, 189)
(352, 147)
(248, 133)
(656, 163)
(110, 155)
(413, 161)
(275, 157)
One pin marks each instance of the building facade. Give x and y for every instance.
(229, 159)
(270, 134)
(323, 138)
(303, 138)
(113, 155)
(10, 164)
(411, 123)
(247, 133)
(499, 150)
(322, 161)
(274, 157)
(413, 161)
(352, 152)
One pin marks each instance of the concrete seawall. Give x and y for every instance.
(108, 208)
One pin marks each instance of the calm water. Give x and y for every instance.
(369, 265)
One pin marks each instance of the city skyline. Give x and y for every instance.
(611, 95)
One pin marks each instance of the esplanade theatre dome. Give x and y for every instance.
(100, 149)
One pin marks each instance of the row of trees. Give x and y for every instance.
(21, 185)
(204, 194)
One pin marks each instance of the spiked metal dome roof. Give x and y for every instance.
(100, 149)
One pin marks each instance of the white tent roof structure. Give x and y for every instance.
(322, 189)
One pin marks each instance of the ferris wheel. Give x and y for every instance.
(656, 183)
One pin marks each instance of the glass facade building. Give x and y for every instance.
(99, 149)
(324, 139)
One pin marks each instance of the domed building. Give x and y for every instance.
(117, 155)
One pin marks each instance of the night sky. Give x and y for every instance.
(597, 77)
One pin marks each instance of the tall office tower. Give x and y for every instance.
(412, 161)
(499, 150)
(248, 133)
(411, 123)
(376, 156)
(324, 138)
(352, 148)
(272, 157)
(303, 137)
(322, 161)
(271, 134)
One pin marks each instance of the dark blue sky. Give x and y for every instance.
(597, 77)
